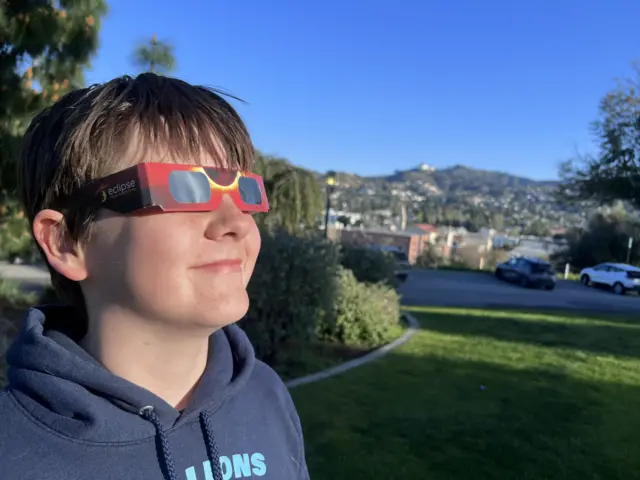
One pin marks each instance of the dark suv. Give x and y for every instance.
(527, 272)
(402, 265)
(401, 259)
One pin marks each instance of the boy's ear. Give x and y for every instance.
(63, 253)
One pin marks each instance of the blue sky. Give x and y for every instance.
(370, 86)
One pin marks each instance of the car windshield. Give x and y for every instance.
(540, 268)
(400, 256)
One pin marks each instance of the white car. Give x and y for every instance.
(618, 276)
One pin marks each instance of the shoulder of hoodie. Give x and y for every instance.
(272, 388)
(267, 381)
(4, 394)
(8, 410)
(8, 404)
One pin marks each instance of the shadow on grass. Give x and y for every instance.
(420, 417)
(599, 339)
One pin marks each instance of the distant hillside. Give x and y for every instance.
(455, 195)
(465, 179)
(453, 179)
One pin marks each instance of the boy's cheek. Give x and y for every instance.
(252, 249)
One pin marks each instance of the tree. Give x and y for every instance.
(605, 239)
(44, 48)
(497, 221)
(295, 197)
(614, 172)
(344, 220)
(155, 56)
(15, 239)
(537, 228)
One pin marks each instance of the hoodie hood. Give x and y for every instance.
(65, 416)
(68, 389)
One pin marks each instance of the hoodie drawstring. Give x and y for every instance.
(212, 448)
(166, 460)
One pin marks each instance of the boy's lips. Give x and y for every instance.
(222, 266)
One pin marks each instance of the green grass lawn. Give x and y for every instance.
(480, 394)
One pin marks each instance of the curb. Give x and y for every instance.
(357, 362)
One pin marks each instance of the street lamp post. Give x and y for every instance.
(330, 181)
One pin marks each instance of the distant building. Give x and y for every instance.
(559, 231)
(426, 168)
(430, 231)
(411, 243)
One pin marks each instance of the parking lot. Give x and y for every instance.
(477, 289)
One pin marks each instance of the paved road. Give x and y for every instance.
(470, 289)
(24, 273)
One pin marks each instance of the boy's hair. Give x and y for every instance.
(84, 136)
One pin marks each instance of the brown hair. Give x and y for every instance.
(84, 136)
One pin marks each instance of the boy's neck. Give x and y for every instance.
(155, 357)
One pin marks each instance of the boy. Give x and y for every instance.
(140, 198)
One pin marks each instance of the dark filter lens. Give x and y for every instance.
(189, 187)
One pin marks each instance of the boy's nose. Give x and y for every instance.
(228, 219)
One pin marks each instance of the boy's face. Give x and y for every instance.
(187, 269)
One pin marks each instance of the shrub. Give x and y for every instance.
(605, 239)
(15, 239)
(11, 295)
(469, 258)
(494, 257)
(365, 314)
(368, 265)
(10, 318)
(429, 257)
(13, 303)
(292, 291)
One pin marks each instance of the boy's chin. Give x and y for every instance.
(221, 314)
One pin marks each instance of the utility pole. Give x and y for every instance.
(403, 216)
(331, 180)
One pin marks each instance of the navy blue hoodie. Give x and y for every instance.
(65, 417)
